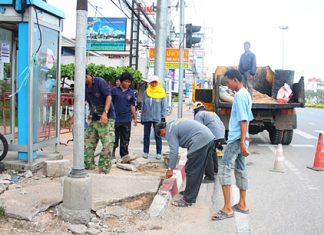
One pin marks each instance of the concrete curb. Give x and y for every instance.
(168, 189)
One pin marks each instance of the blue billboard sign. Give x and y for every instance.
(106, 34)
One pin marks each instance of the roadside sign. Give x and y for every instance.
(170, 65)
(171, 55)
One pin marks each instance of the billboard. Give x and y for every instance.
(106, 34)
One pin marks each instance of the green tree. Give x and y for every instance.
(67, 70)
(110, 74)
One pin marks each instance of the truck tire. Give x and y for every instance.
(3, 147)
(275, 136)
(287, 137)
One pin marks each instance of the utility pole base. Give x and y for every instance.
(77, 200)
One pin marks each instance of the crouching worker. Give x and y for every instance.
(199, 142)
(216, 126)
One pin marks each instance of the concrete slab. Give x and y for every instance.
(109, 189)
(11, 162)
(25, 203)
(57, 168)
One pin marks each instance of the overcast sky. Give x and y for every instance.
(228, 23)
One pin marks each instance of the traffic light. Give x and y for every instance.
(190, 30)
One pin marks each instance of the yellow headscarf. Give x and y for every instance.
(156, 92)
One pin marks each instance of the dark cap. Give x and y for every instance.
(159, 126)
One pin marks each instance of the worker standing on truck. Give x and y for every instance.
(216, 126)
(247, 67)
(237, 147)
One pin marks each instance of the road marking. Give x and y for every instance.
(319, 131)
(292, 145)
(290, 166)
(266, 145)
(241, 220)
(304, 134)
(302, 145)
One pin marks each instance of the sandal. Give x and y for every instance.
(221, 215)
(237, 209)
(181, 203)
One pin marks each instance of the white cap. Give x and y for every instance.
(153, 78)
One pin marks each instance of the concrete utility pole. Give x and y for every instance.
(77, 194)
(182, 42)
(283, 28)
(161, 39)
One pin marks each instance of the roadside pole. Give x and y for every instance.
(182, 42)
(161, 39)
(77, 193)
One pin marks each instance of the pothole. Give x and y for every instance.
(157, 169)
(139, 202)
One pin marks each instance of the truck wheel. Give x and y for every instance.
(3, 147)
(287, 137)
(275, 136)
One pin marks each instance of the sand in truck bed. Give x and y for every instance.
(259, 98)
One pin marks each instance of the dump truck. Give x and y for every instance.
(279, 119)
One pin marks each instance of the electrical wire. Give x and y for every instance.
(148, 32)
(105, 18)
(152, 34)
(40, 32)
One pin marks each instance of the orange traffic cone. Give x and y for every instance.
(319, 155)
(279, 165)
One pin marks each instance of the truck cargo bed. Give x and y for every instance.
(263, 106)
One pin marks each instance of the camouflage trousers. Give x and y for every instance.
(106, 134)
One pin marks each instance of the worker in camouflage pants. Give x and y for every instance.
(102, 125)
(106, 134)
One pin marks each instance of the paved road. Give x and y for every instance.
(280, 203)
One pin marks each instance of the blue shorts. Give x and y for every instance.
(233, 155)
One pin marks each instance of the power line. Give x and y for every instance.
(152, 34)
(148, 31)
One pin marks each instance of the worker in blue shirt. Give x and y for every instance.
(123, 98)
(237, 148)
(101, 127)
(247, 67)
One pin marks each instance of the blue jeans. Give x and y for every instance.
(146, 141)
(233, 155)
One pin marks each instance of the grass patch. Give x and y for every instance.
(315, 105)
(2, 212)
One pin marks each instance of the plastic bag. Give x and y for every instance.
(225, 94)
(284, 94)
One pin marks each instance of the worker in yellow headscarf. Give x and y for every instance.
(153, 112)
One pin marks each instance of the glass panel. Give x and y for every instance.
(44, 82)
(5, 80)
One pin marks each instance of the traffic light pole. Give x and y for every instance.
(181, 72)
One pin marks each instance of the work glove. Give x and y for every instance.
(169, 173)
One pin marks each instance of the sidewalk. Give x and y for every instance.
(35, 193)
